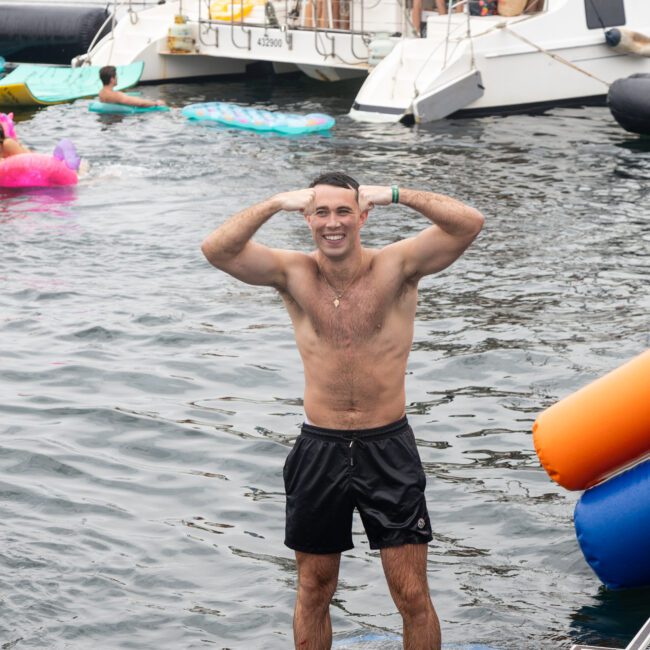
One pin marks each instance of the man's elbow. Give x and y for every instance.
(212, 253)
(476, 222)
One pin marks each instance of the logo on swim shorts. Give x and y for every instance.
(421, 523)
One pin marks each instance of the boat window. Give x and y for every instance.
(604, 13)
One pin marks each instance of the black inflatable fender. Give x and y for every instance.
(629, 102)
(28, 27)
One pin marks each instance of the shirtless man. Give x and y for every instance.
(108, 76)
(353, 311)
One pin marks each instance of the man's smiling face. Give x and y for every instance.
(336, 220)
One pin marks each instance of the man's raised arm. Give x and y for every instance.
(455, 226)
(231, 248)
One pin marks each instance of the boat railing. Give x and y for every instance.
(328, 20)
(129, 7)
(360, 19)
(473, 23)
(356, 16)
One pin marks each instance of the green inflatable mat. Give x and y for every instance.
(34, 85)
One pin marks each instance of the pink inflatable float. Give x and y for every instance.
(35, 170)
(7, 124)
(38, 169)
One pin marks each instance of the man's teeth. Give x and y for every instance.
(333, 237)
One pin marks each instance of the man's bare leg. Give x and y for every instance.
(317, 578)
(416, 16)
(406, 572)
(308, 16)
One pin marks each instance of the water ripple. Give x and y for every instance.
(148, 401)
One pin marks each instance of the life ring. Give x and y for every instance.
(35, 170)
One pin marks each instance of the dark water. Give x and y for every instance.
(148, 401)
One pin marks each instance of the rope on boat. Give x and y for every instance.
(557, 57)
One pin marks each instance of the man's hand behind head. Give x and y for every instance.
(372, 195)
(297, 201)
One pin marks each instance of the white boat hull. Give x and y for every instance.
(466, 64)
(525, 62)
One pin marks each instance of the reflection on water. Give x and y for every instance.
(613, 615)
(20, 203)
(149, 402)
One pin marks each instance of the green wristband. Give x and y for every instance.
(395, 191)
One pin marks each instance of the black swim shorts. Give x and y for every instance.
(329, 473)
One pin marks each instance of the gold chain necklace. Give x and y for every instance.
(338, 295)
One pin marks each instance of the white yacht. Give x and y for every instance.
(521, 55)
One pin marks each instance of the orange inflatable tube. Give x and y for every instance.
(599, 429)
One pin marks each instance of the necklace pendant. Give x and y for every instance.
(336, 302)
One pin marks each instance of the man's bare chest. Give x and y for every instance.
(356, 318)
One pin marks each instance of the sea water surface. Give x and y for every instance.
(148, 401)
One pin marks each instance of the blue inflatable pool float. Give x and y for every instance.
(122, 109)
(388, 641)
(612, 523)
(255, 119)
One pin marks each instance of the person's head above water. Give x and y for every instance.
(335, 217)
(336, 179)
(107, 73)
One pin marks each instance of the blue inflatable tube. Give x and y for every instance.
(245, 117)
(612, 523)
(122, 109)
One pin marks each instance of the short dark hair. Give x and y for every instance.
(107, 73)
(337, 179)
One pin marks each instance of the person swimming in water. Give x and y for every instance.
(353, 312)
(10, 146)
(108, 94)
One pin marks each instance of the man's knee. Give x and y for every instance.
(412, 598)
(317, 580)
(316, 590)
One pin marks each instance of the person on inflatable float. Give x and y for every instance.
(9, 145)
(107, 95)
